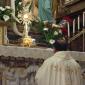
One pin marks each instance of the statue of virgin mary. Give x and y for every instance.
(46, 9)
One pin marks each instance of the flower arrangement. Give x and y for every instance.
(5, 13)
(50, 34)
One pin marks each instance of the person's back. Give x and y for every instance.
(60, 69)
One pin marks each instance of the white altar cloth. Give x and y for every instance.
(27, 52)
(42, 53)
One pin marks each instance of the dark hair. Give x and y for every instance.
(60, 45)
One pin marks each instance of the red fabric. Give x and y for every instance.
(68, 18)
(64, 31)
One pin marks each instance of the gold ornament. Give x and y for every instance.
(27, 41)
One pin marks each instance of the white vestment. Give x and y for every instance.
(60, 69)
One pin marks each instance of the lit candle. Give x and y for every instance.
(73, 26)
(68, 25)
(78, 23)
(13, 6)
(83, 19)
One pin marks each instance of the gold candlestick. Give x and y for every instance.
(27, 41)
(27, 17)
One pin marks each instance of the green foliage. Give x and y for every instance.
(18, 6)
(48, 35)
(5, 13)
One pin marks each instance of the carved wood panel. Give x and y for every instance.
(4, 2)
(1, 2)
(7, 2)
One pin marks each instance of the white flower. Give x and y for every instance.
(2, 9)
(8, 7)
(60, 31)
(51, 41)
(55, 33)
(6, 18)
(20, 3)
(29, 22)
(45, 29)
(33, 40)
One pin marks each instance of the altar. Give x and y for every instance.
(17, 51)
(19, 64)
(36, 52)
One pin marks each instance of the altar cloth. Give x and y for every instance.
(26, 52)
(42, 53)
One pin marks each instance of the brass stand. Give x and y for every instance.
(27, 41)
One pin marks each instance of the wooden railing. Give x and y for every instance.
(77, 30)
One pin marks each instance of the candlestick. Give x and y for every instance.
(68, 29)
(13, 6)
(26, 29)
(73, 26)
(83, 19)
(78, 23)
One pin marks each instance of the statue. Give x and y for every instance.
(47, 10)
(47, 6)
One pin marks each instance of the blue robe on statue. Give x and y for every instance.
(45, 10)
